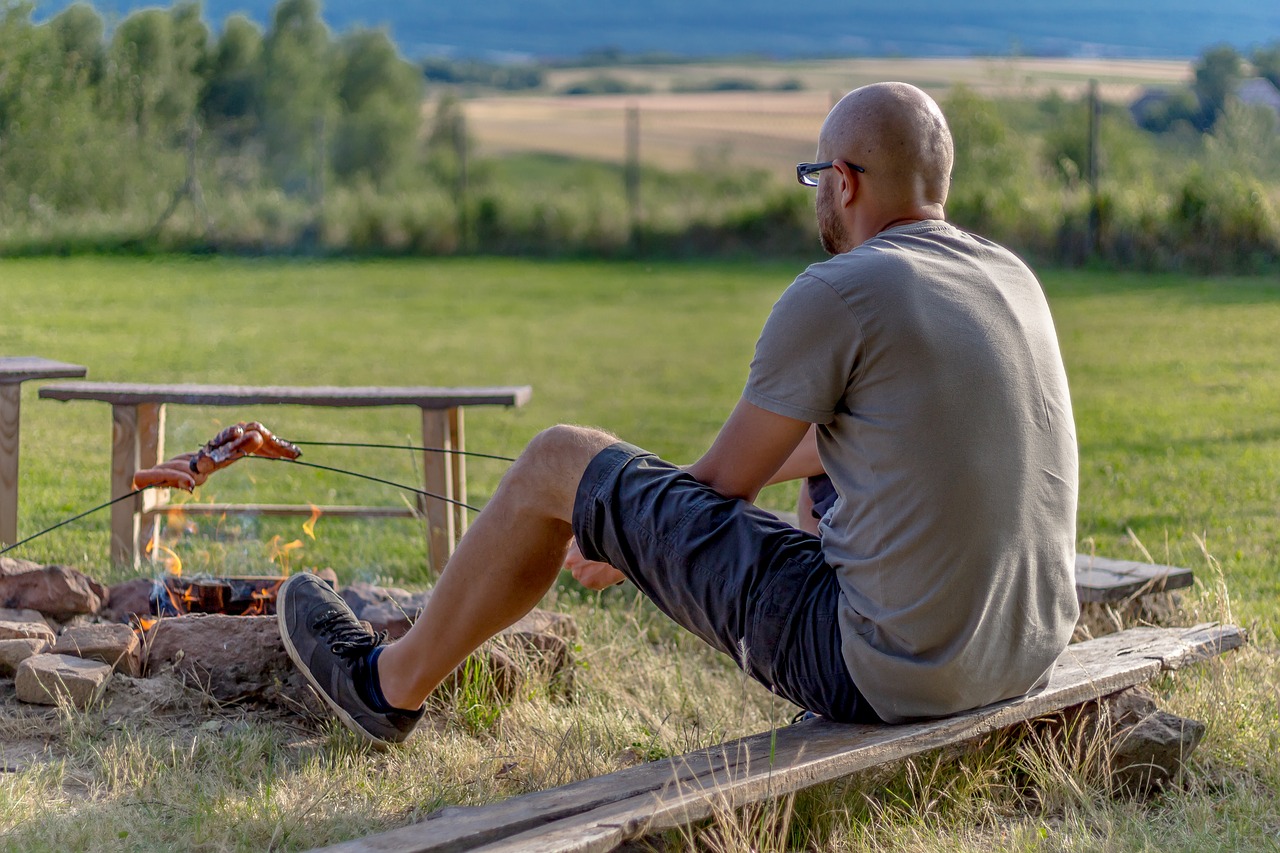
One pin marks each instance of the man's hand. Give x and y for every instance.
(590, 573)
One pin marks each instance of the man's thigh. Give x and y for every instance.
(744, 581)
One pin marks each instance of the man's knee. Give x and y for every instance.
(553, 462)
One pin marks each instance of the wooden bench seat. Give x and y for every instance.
(137, 441)
(601, 813)
(1107, 581)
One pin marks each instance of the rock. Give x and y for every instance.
(388, 609)
(56, 591)
(10, 614)
(390, 617)
(548, 622)
(26, 630)
(131, 598)
(48, 679)
(14, 652)
(113, 644)
(233, 658)
(1148, 746)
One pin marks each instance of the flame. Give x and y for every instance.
(172, 562)
(280, 553)
(309, 526)
(177, 520)
(262, 599)
(145, 623)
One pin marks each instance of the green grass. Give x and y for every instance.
(1172, 381)
(1173, 384)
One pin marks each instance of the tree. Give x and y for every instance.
(380, 95)
(159, 54)
(297, 103)
(229, 99)
(1217, 74)
(1266, 62)
(78, 34)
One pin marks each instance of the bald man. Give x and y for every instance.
(919, 366)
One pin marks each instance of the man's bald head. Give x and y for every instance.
(899, 135)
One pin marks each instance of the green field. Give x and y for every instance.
(1173, 381)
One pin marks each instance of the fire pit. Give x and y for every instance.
(174, 595)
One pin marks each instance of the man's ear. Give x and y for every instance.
(849, 183)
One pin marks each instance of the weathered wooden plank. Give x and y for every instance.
(598, 814)
(458, 462)
(21, 368)
(1101, 579)
(150, 454)
(345, 511)
(427, 397)
(10, 406)
(437, 476)
(125, 452)
(14, 370)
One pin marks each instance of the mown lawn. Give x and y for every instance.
(1173, 383)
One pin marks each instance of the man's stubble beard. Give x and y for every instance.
(831, 232)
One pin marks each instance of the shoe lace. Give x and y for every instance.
(345, 636)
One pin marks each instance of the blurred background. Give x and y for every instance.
(1117, 134)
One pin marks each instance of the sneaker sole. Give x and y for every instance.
(347, 720)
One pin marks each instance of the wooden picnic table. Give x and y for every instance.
(14, 370)
(137, 442)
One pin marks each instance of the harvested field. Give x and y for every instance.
(762, 128)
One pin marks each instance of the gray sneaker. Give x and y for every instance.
(331, 647)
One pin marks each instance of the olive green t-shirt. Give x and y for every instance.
(928, 358)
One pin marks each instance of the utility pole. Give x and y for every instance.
(1095, 213)
(631, 174)
(460, 187)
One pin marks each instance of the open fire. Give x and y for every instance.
(172, 594)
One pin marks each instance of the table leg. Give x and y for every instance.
(437, 477)
(125, 454)
(150, 454)
(10, 402)
(459, 471)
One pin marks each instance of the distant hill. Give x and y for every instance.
(523, 29)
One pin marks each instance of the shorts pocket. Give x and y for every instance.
(769, 636)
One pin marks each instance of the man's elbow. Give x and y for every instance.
(722, 481)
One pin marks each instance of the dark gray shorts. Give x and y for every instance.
(748, 584)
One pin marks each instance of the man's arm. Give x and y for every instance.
(754, 448)
(803, 461)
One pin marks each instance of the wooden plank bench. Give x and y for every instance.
(137, 441)
(599, 814)
(1107, 581)
(14, 370)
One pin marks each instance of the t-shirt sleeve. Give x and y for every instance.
(806, 353)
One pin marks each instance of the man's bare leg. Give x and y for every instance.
(505, 563)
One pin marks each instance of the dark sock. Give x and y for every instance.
(370, 687)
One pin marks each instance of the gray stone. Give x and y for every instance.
(11, 614)
(113, 644)
(131, 598)
(58, 592)
(48, 679)
(26, 630)
(233, 658)
(14, 652)
(1149, 747)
